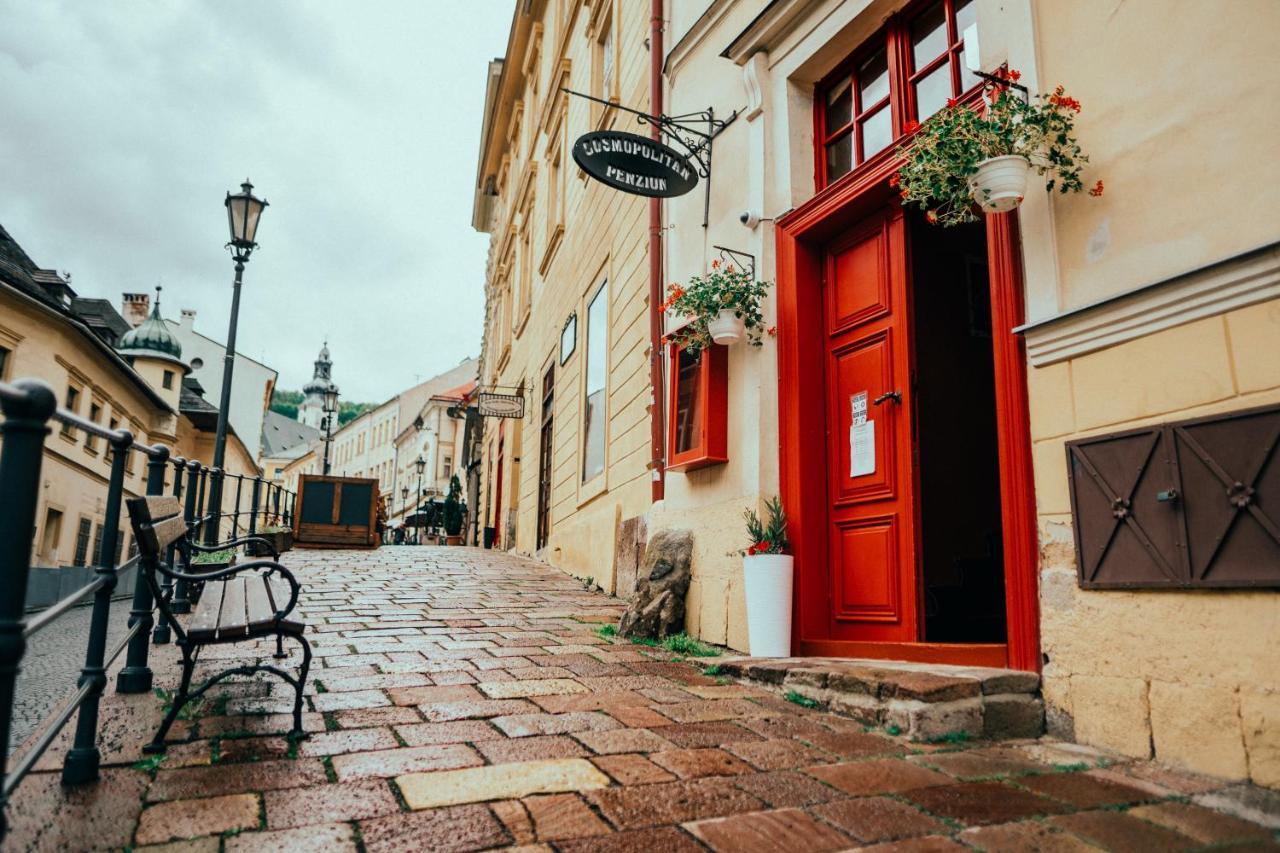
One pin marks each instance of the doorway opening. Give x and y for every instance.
(961, 555)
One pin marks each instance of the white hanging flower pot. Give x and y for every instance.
(1000, 183)
(727, 328)
(768, 584)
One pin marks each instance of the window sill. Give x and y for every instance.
(548, 254)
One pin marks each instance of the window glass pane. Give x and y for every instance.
(932, 92)
(967, 78)
(839, 157)
(839, 105)
(876, 134)
(688, 397)
(873, 79)
(597, 372)
(966, 16)
(929, 35)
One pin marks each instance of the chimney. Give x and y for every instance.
(135, 307)
(188, 319)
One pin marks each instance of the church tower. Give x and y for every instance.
(312, 409)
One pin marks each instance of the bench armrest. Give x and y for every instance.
(275, 568)
(235, 543)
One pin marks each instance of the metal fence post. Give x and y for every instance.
(235, 519)
(83, 759)
(275, 503)
(136, 675)
(160, 634)
(253, 511)
(195, 482)
(200, 508)
(26, 423)
(213, 509)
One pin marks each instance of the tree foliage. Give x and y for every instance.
(287, 403)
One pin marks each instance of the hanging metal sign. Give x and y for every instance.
(491, 405)
(634, 164)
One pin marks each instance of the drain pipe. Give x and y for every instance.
(657, 408)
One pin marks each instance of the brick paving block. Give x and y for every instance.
(501, 781)
(696, 763)
(614, 741)
(233, 750)
(855, 744)
(347, 740)
(602, 701)
(1178, 781)
(1084, 791)
(365, 718)
(1119, 831)
(340, 801)
(523, 725)
(788, 726)
(445, 679)
(43, 815)
(515, 818)
(386, 763)
(980, 763)
(777, 754)
(207, 844)
(327, 838)
(254, 724)
(373, 681)
(448, 829)
(712, 710)
(667, 839)
(193, 818)
(874, 819)
(725, 691)
(353, 699)
(639, 717)
(708, 734)
(787, 789)
(444, 712)
(458, 731)
(1026, 835)
(1201, 824)
(672, 802)
(929, 844)
(433, 695)
(223, 779)
(631, 769)
(977, 803)
(524, 689)
(531, 748)
(879, 776)
(766, 832)
(559, 817)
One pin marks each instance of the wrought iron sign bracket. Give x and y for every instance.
(686, 130)
(732, 256)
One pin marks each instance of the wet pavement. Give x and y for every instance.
(465, 700)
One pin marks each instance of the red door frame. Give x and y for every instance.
(801, 235)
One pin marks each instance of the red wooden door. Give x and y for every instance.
(867, 364)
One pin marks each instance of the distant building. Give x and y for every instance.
(311, 412)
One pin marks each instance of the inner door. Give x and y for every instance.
(873, 586)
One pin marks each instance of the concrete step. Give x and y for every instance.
(925, 701)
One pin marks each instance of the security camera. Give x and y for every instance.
(749, 218)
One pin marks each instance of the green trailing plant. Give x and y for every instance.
(683, 644)
(713, 669)
(948, 148)
(604, 632)
(453, 508)
(767, 536)
(217, 558)
(798, 699)
(275, 528)
(703, 297)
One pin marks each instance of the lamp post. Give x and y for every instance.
(421, 465)
(243, 212)
(404, 507)
(330, 414)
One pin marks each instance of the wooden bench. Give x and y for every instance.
(243, 602)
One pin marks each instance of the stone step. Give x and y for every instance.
(924, 701)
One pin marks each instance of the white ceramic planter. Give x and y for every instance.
(1000, 183)
(768, 582)
(727, 328)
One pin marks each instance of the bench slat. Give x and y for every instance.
(232, 621)
(153, 539)
(279, 591)
(204, 622)
(258, 603)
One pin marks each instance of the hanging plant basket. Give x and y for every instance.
(1000, 184)
(727, 328)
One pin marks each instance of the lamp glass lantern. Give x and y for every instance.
(243, 211)
(331, 399)
(421, 463)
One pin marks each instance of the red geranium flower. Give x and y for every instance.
(911, 126)
(894, 179)
(1097, 189)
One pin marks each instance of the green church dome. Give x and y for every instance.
(151, 338)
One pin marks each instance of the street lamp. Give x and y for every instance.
(421, 465)
(330, 415)
(243, 212)
(404, 508)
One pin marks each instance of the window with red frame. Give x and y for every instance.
(904, 74)
(697, 433)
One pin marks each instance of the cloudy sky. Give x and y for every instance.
(124, 123)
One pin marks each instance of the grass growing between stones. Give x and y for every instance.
(713, 669)
(683, 644)
(797, 699)
(604, 632)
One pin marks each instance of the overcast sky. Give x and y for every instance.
(124, 123)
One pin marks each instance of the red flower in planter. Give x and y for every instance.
(894, 179)
(911, 126)
(1097, 189)
(932, 216)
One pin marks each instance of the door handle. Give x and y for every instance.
(895, 396)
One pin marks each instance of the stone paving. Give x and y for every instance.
(466, 700)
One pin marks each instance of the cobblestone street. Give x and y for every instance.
(464, 700)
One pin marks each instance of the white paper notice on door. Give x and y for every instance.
(862, 449)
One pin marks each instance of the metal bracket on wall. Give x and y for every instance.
(732, 256)
(683, 129)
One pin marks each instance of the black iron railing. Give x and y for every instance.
(29, 407)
